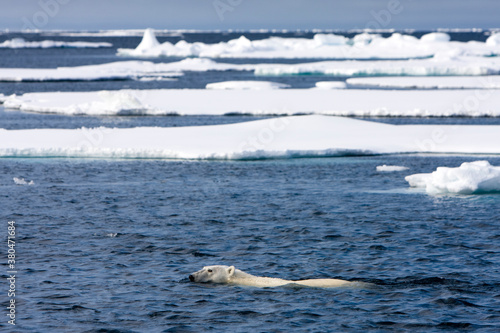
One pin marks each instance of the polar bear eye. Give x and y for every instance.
(209, 270)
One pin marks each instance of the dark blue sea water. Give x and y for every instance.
(107, 245)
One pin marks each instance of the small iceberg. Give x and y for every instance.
(330, 85)
(148, 41)
(246, 85)
(22, 181)
(469, 178)
(391, 168)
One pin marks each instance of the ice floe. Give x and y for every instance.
(390, 168)
(283, 137)
(469, 178)
(340, 102)
(121, 70)
(322, 45)
(252, 85)
(330, 85)
(431, 82)
(493, 40)
(445, 65)
(441, 65)
(20, 43)
(22, 181)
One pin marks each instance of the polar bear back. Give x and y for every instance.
(323, 283)
(245, 279)
(231, 275)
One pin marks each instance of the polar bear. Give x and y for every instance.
(230, 275)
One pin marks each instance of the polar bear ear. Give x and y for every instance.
(230, 271)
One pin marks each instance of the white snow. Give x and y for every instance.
(435, 37)
(148, 41)
(346, 102)
(469, 178)
(122, 70)
(330, 85)
(391, 168)
(322, 45)
(442, 64)
(284, 137)
(22, 181)
(20, 43)
(122, 102)
(252, 85)
(493, 40)
(430, 82)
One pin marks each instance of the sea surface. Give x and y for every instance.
(107, 245)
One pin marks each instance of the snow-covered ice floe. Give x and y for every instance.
(430, 82)
(390, 168)
(251, 85)
(121, 70)
(283, 137)
(469, 178)
(437, 66)
(327, 46)
(339, 102)
(22, 181)
(331, 85)
(20, 43)
(442, 65)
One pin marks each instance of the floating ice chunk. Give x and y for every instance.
(430, 82)
(251, 85)
(331, 85)
(364, 39)
(346, 102)
(20, 43)
(436, 37)
(329, 39)
(22, 181)
(148, 41)
(493, 40)
(122, 70)
(444, 64)
(283, 137)
(470, 178)
(325, 46)
(390, 168)
(122, 102)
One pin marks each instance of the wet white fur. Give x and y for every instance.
(230, 275)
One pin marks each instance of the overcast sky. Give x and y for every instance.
(247, 14)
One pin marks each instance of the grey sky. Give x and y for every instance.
(248, 14)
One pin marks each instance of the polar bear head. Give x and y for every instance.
(214, 274)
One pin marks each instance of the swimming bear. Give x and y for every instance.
(230, 275)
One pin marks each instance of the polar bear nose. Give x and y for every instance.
(191, 278)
